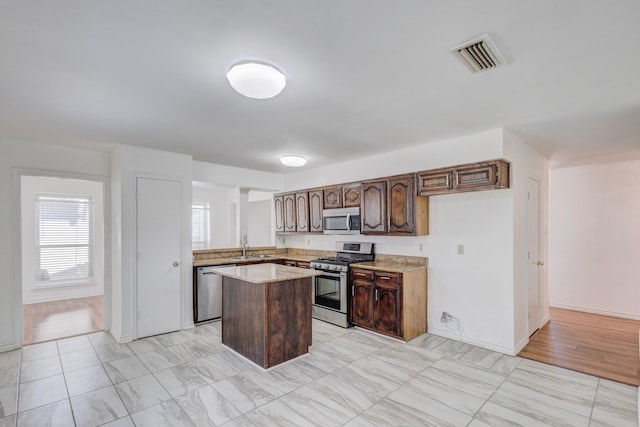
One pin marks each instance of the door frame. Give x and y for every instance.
(17, 174)
(540, 252)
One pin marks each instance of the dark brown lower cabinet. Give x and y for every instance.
(268, 323)
(361, 301)
(387, 308)
(392, 303)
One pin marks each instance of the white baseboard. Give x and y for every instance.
(545, 320)
(125, 339)
(522, 344)
(511, 351)
(595, 311)
(120, 339)
(7, 347)
(188, 325)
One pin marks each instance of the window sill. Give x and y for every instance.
(63, 284)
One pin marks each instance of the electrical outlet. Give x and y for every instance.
(444, 317)
(308, 242)
(460, 249)
(420, 247)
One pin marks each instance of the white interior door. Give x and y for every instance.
(534, 261)
(158, 244)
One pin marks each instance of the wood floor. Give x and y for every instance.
(598, 345)
(60, 319)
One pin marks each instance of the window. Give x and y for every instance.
(200, 216)
(64, 238)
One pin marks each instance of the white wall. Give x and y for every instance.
(129, 163)
(17, 157)
(594, 238)
(30, 186)
(236, 177)
(260, 230)
(527, 163)
(222, 206)
(476, 287)
(481, 146)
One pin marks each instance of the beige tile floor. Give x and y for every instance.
(350, 378)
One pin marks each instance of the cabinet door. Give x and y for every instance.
(374, 207)
(315, 211)
(401, 205)
(388, 309)
(351, 195)
(333, 197)
(278, 203)
(479, 176)
(362, 303)
(435, 182)
(289, 212)
(302, 211)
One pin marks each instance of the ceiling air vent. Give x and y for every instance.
(479, 54)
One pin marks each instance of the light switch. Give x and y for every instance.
(460, 249)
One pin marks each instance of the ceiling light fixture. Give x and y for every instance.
(256, 80)
(293, 160)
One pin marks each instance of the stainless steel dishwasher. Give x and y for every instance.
(207, 302)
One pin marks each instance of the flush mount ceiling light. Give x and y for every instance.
(293, 161)
(256, 80)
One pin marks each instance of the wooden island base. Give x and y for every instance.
(268, 323)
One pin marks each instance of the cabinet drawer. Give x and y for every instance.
(435, 182)
(384, 278)
(365, 275)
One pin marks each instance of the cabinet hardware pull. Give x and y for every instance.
(385, 278)
(353, 292)
(455, 179)
(376, 295)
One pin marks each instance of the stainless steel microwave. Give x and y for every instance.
(341, 221)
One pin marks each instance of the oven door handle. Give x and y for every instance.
(327, 273)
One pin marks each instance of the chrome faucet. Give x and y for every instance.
(243, 242)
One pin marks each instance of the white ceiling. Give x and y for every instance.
(364, 76)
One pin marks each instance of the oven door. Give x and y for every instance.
(330, 290)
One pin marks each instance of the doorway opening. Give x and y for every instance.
(63, 257)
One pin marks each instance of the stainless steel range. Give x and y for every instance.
(331, 288)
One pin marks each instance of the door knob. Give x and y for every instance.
(540, 263)
(176, 263)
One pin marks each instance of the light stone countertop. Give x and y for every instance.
(265, 273)
(392, 267)
(230, 260)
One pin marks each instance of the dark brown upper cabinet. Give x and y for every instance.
(351, 195)
(278, 202)
(390, 206)
(333, 197)
(374, 207)
(490, 175)
(290, 213)
(302, 211)
(316, 204)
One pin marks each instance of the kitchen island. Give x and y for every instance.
(266, 311)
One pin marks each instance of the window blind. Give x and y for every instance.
(200, 224)
(64, 238)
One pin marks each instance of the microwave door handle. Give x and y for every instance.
(348, 222)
